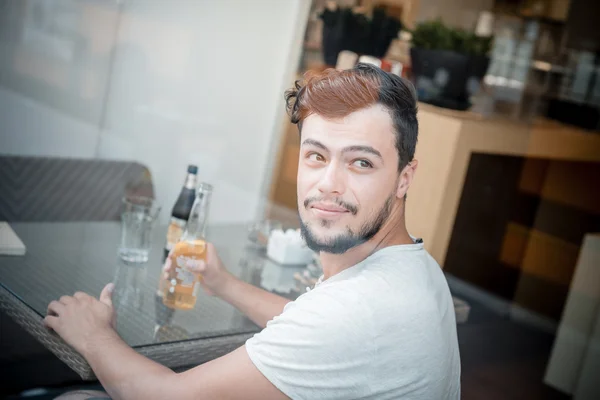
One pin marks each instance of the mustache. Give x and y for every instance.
(350, 207)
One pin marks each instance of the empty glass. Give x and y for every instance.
(259, 232)
(137, 219)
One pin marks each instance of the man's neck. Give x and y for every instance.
(392, 233)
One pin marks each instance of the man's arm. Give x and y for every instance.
(125, 374)
(257, 304)
(87, 324)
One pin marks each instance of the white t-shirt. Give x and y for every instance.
(382, 329)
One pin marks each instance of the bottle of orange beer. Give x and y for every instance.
(182, 287)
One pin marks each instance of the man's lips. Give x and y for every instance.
(329, 208)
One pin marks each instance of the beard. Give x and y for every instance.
(345, 241)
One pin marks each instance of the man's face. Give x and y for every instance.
(347, 178)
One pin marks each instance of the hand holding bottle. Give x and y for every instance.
(212, 272)
(181, 290)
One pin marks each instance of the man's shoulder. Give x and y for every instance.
(403, 257)
(407, 285)
(323, 319)
(332, 299)
(392, 271)
(411, 271)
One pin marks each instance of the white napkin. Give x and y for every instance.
(10, 244)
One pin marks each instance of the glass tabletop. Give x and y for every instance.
(63, 258)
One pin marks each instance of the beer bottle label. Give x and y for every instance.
(188, 262)
(185, 277)
(176, 228)
(184, 264)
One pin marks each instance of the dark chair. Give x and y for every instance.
(68, 189)
(56, 189)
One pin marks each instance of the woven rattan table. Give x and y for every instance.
(63, 258)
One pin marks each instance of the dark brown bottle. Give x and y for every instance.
(181, 209)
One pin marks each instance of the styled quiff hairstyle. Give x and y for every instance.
(336, 94)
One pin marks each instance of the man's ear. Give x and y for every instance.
(406, 177)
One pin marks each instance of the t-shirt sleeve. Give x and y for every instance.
(316, 348)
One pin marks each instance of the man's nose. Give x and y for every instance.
(333, 180)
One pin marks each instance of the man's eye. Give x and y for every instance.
(362, 164)
(316, 157)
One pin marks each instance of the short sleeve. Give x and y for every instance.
(316, 349)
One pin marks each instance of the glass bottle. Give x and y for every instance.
(182, 288)
(182, 209)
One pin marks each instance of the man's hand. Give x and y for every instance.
(82, 320)
(213, 272)
(88, 325)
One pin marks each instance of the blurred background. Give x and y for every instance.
(163, 83)
(507, 197)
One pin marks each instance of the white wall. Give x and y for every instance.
(185, 81)
(55, 58)
(29, 128)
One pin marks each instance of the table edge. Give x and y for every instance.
(176, 355)
(31, 321)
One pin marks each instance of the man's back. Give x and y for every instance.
(383, 329)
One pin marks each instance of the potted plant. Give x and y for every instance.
(447, 64)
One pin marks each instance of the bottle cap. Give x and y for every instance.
(192, 169)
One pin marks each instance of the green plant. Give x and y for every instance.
(435, 35)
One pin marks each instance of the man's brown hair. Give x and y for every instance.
(336, 94)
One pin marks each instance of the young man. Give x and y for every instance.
(380, 323)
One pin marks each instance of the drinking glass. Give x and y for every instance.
(137, 220)
(259, 232)
(129, 283)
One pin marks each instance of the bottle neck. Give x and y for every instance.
(190, 181)
(196, 226)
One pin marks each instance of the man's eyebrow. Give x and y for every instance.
(348, 149)
(316, 143)
(364, 149)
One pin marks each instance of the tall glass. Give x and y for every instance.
(129, 283)
(137, 219)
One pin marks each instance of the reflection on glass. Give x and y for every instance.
(163, 314)
(169, 333)
(164, 329)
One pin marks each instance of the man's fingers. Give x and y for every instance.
(66, 300)
(199, 267)
(81, 296)
(55, 308)
(167, 265)
(211, 251)
(106, 295)
(51, 321)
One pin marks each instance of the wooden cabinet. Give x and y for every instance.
(283, 189)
